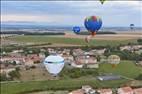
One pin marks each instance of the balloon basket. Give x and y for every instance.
(93, 33)
(114, 66)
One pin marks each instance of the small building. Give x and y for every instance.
(137, 91)
(41, 55)
(125, 90)
(99, 51)
(86, 88)
(79, 91)
(17, 51)
(32, 59)
(105, 91)
(131, 48)
(86, 61)
(125, 48)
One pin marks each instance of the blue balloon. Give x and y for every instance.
(76, 29)
(93, 23)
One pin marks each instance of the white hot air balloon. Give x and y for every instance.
(54, 64)
(114, 60)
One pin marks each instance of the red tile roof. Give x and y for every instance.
(79, 91)
(138, 91)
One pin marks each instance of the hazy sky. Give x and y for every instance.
(113, 13)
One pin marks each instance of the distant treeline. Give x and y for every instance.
(88, 33)
(33, 33)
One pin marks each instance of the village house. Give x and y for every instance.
(51, 51)
(131, 48)
(68, 58)
(84, 90)
(137, 91)
(99, 51)
(79, 91)
(125, 90)
(66, 51)
(138, 51)
(17, 51)
(105, 91)
(77, 52)
(86, 61)
(88, 89)
(41, 55)
(11, 59)
(32, 59)
(125, 48)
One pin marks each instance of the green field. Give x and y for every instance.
(62, 40)
(125, 68)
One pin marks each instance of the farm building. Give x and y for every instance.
(108, 77)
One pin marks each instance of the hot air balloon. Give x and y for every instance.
(132, 26)
(114, 60)
(93, 24)
(76, 29)
(102, 1)
(54, 64)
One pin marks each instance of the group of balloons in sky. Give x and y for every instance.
(55, 63)
(92, 24)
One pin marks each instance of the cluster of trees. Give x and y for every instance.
(31, 51)
(3, 77)
(14, 74)
(139, 77)
(139, 41)
(124, 55)
(88, 33)
(76, 72)
(11, 75)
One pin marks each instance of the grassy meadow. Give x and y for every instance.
(39, 39)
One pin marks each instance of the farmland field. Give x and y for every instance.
(70, 41)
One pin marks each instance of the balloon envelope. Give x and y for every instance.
(114, 59)
(54, 64)
(76, 29)
(102, 1)
(93, 23)
(132, 26)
